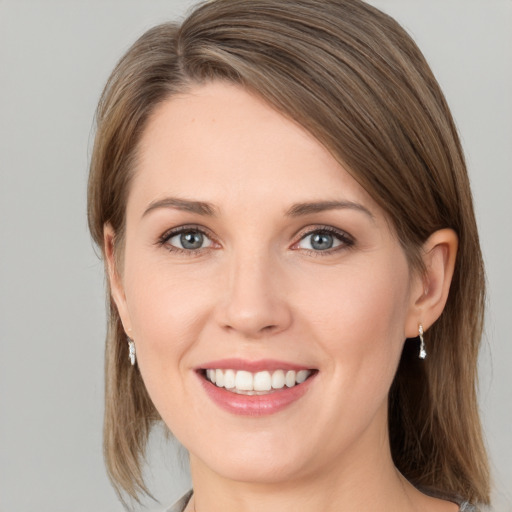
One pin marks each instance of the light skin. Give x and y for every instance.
(257, 193)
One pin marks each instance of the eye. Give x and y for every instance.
(186, 239)
(324, 240)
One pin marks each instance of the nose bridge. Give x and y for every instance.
(254, 302)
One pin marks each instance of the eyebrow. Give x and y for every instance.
(300, 209)
(199, 207)
(296, 210)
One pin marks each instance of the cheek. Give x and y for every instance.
(167, 313)
(359, 327)
(167, 309)
(361, 313)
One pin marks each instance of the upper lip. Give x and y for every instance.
(252, 366)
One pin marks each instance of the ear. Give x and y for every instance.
(430, 290)
(115, 277)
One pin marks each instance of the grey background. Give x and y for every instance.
(54, 59)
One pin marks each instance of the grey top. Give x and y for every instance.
(180, 505)
(467, 507)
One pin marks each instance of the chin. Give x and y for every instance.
(256, 467)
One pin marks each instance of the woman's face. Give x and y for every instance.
(254, 259)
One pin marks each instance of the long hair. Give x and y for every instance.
(353, 78)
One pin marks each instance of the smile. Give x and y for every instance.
(256, 383)
(255, 388)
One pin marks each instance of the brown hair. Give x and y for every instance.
(353, 77)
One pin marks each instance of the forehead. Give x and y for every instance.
(220, 143)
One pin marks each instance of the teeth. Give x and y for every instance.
(229, 379)
(219, 378)
(243, 381)
(278, 379)
(289, 380)
(262, 381)
(302, 375)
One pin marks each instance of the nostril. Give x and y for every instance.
(252, 331)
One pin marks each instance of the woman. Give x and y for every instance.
(297, 289)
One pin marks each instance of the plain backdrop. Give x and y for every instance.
(55, 57)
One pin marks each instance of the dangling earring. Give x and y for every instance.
(131, 348)
(423, 350)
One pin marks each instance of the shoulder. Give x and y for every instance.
(467, 507)
(464, 505)
(180, 505)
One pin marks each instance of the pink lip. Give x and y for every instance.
(255, 405)
(251, 366)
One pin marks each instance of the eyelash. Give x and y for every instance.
(346, 240)
(163, 241)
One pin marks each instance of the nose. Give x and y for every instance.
(254, 302)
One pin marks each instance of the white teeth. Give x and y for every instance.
(243, 381)
(302, 375)
(219, 378)
(262, 381)
(229, 379)
(290, 378)
(278, 379)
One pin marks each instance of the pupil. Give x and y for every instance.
(191, 240)
(322, 241)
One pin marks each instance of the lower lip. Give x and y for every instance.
(255, 405)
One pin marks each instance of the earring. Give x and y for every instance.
(423, 350)
(131, 348)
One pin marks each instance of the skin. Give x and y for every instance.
(258, 290)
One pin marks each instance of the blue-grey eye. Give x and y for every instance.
(190, 240)
(320, 241)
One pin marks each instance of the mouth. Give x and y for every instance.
(257, 388)
(263, 382)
